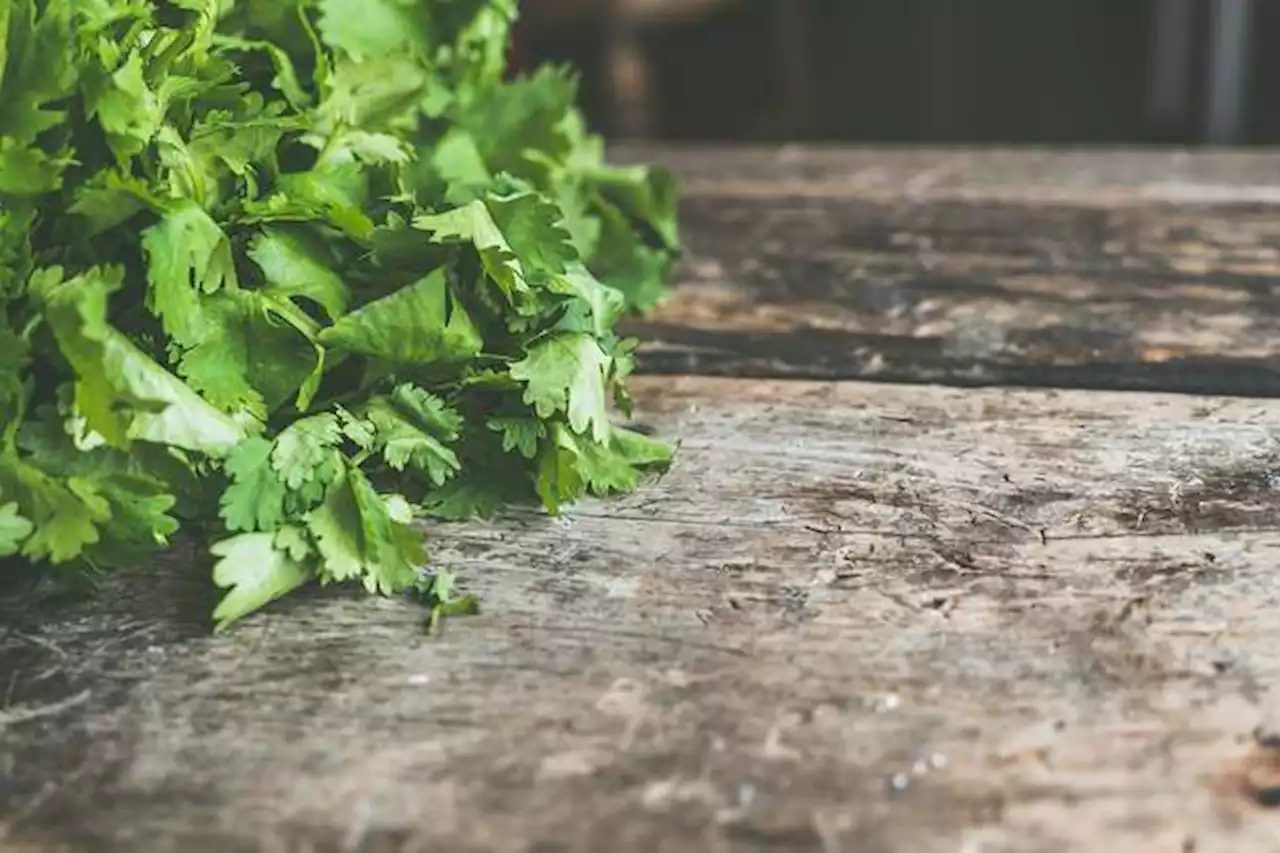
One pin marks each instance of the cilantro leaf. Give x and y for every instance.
(527, 115)
(255, 572)
(572, 465)
(188, 255)
(306, 456)
(33, 74)
(567, 373)
(422, 323)
(474, 223)
(13, 529)
(254, 500)
(519, 433)
(128, 110)
(26, 171)
(370, 28)
(412, 429)
(66, 516)
(518, 238)
(141, 518)
(440, 592)
(109, 199)
(293, 268)
(597, 307)
(358, 537)
(123, 394)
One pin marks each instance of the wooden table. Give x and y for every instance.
(870, 610)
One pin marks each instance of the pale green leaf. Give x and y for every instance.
(567, 373)
(255, 572)
(293, 267)
(420, 324)
(13, 529)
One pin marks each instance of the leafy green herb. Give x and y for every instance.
(440, 595)
(296, 274)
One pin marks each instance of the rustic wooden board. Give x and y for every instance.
(1080, 175)
(1108, 270)
(854, 617)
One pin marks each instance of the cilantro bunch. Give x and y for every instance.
(292, 274)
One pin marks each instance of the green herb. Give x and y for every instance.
(441, 596)
(292, 274)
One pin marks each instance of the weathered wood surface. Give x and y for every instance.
(1116, 270)
(855, 617)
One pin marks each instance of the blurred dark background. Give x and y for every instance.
(919, 71)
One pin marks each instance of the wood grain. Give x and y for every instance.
(854, 617)
(1108, 270)
(1083, 175)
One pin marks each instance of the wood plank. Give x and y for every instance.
(1109, 270)
(854, 617)
(1086, 175)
